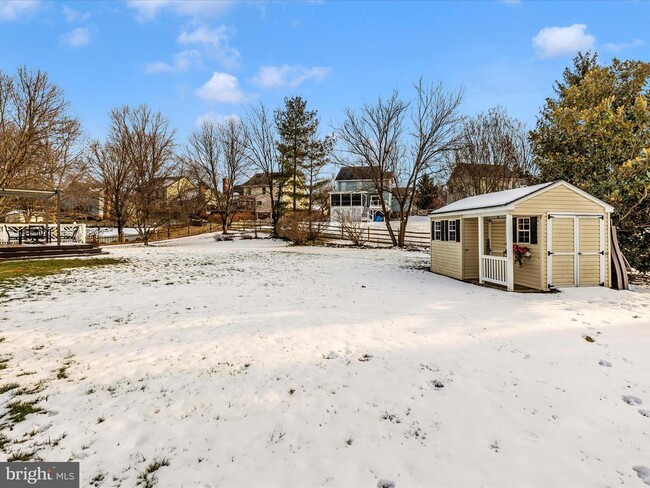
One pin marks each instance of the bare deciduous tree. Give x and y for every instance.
(217, 154)
(33, 112)
(492, 154)
(233, 141)
(146, 143)
(112, 171)
(373, 138)
(262, 154)
(400, 141)
(202, 159)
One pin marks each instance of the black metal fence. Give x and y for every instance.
(160, 234)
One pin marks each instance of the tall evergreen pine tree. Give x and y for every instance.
(296, 127)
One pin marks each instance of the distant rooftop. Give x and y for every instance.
(357, 173)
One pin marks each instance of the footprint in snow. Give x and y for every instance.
(437, 385)
(642, 472)
(632, 400)
(365, 358)
(645, 413)
(607, 364)
(387, 484)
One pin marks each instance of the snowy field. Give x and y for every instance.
(249, 363)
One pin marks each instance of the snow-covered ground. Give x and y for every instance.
(250, 363)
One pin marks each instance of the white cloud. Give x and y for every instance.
(180, 62)
(216, 118)
(288, 76)
(560, 41)
(77, 38)
(72, 15)
(149, 9)
(12, 9)
(623, 45)
(215, 42)
(222, 88)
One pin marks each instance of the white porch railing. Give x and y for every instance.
(495, 269)
(20, 233)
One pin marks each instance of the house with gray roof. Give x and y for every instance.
(356, 195)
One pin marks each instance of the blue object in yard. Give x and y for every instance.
(379, 217)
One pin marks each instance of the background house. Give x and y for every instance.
(356, 195)
(254, 196)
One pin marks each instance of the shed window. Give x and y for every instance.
(523, 230)
(336, 200)
(345, 200)
(452, 231)
(437, 231)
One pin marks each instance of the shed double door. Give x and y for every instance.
(576, 250)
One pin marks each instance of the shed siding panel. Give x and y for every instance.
(589, 235)
(560, 199)
(589, 270)
(446, 256)
(469, 229)
(563, 241)
(589, 242)
(529, 274)
(608, 261)
(563, 271)
(497, 246)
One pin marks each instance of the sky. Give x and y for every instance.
(198, 60)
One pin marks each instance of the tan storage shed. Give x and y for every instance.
(560, 234)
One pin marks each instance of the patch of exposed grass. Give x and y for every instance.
(26, 373)
(19, 410)
(31, 390)
(148, 478)
(44, 267)
(62, 372)
(8, 387)
(3, 363)
(21, 456)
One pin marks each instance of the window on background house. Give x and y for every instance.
(259, 202)
(356, 199)
(523, 230)
(345, 200)
(336, 200)
(263, 190)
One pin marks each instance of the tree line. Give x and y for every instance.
(593, 132)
